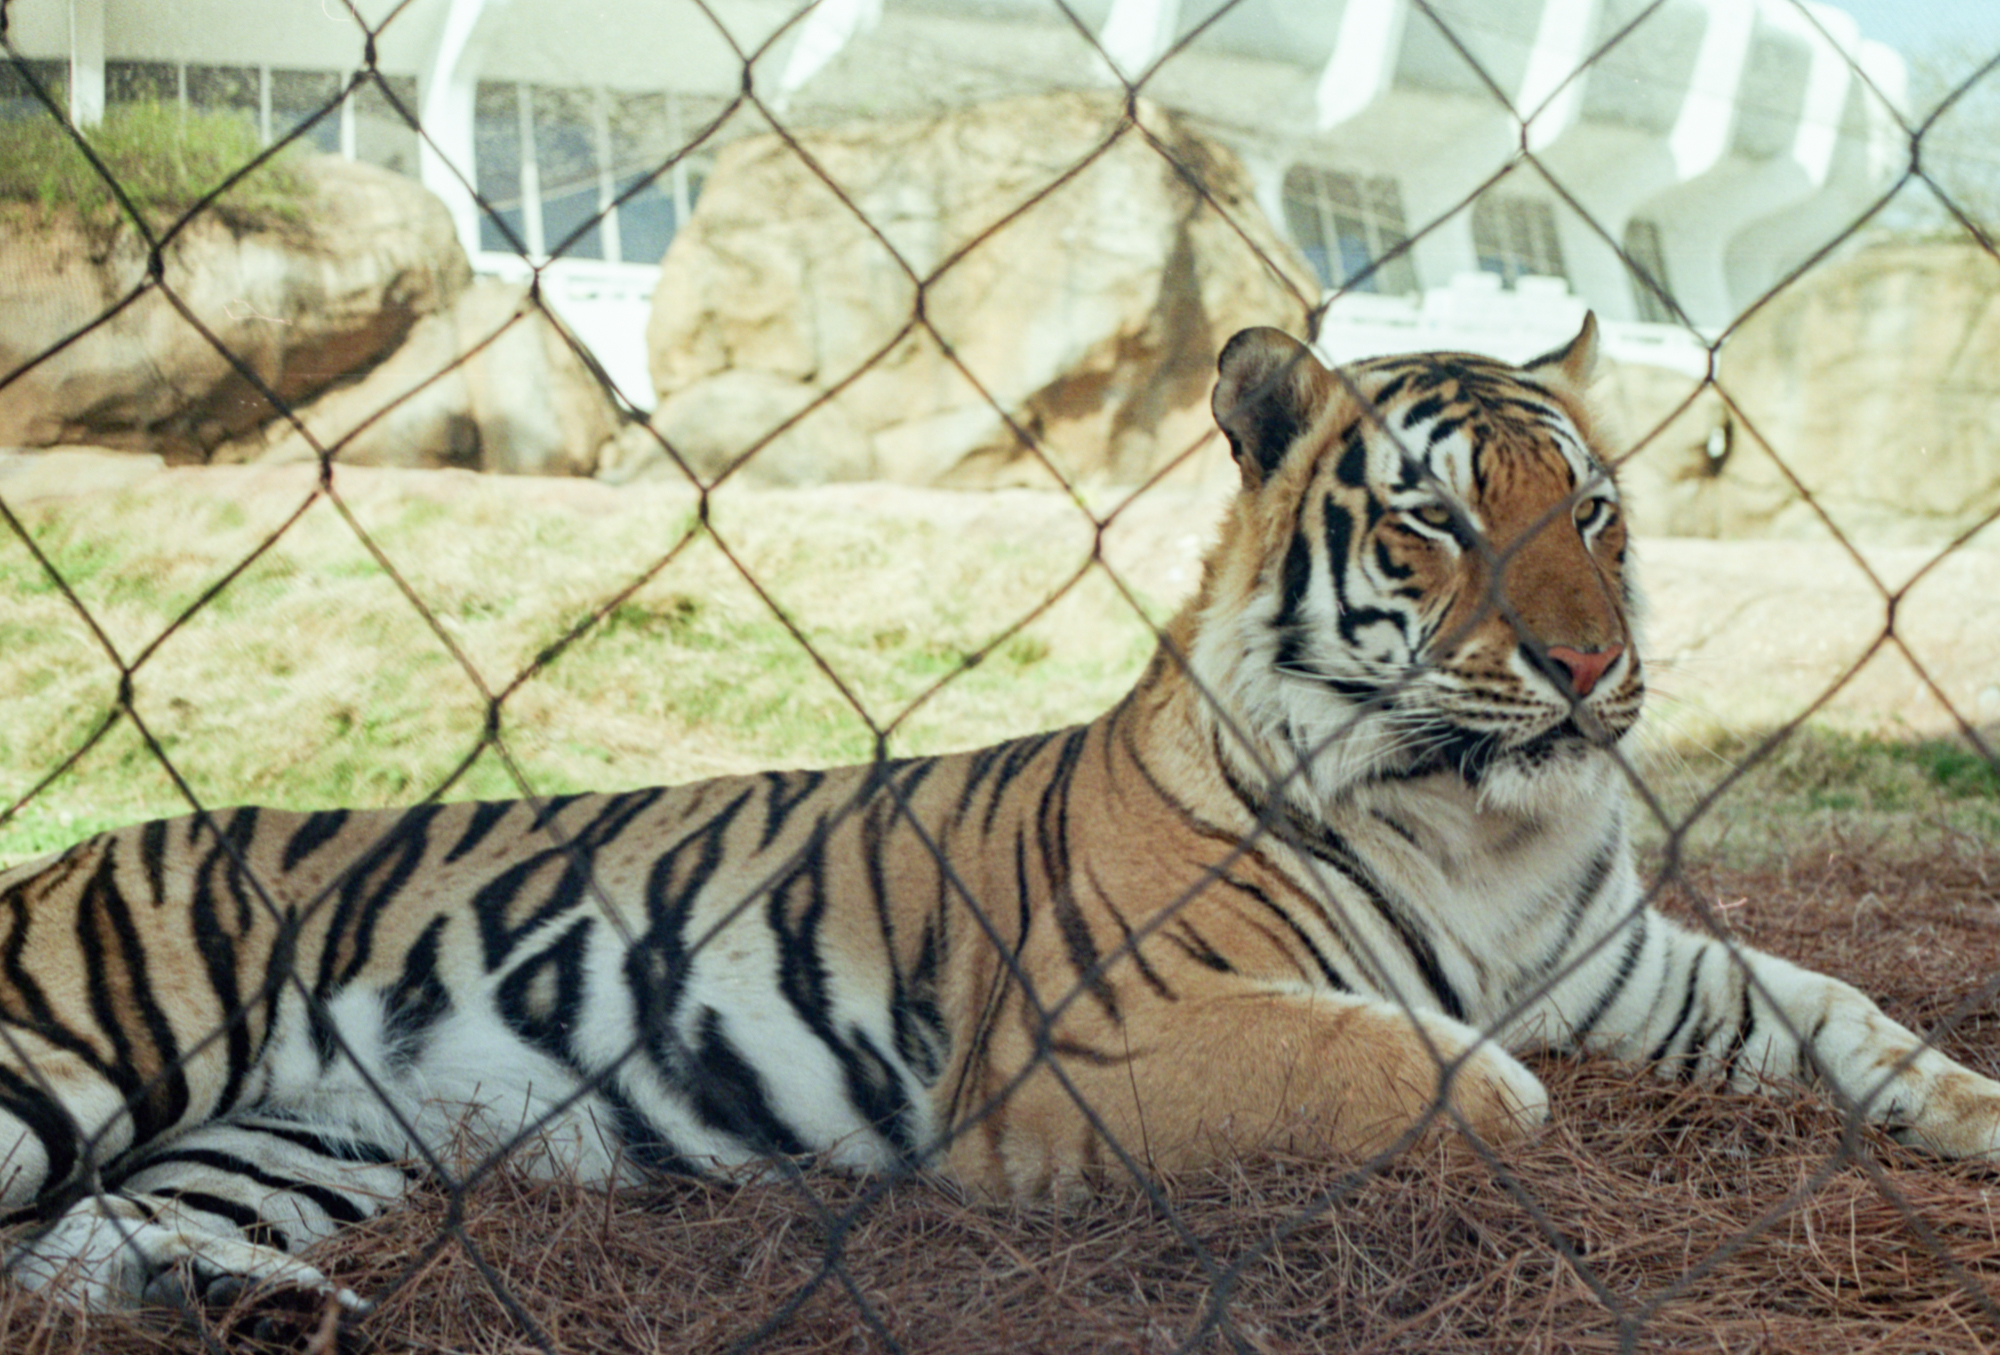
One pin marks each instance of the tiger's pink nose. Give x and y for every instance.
(1585, 669)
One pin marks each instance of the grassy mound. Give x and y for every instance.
(165, 157)
(624, 643)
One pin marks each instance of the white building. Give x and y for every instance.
(1718, 143)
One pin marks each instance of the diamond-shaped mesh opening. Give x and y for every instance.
(994, 248)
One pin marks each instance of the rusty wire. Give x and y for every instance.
(840, 1214)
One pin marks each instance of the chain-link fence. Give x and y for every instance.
(1648, 1215)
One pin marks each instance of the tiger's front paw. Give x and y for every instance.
(108, 1253)
(1950, 1110)
(1493, 1093)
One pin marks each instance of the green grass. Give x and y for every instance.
(311, 680)
(1959, 770)
(1819, 785)
(166, 158)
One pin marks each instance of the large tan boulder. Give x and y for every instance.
(1088, 303)
(1870, 386)
(491, 384)
(1673, 440)
(1876, 380)
(713, 422)
(301, 303)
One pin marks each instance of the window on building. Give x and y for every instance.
(227, 89)
(568, 161)
(1348, 227)
(553, 164)
(131, 82)
(277, 102)
(382, 136)
(646, 163)
(498, 167)
(1649, 278)
(1515, 237)
(17, 98)
(548, 164)
(297, 97)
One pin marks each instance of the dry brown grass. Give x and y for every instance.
(1650, 1216)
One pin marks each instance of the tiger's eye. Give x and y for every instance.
(1432, 515)
(1594, 513)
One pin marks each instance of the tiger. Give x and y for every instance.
(1355, 842)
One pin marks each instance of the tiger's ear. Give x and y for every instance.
(1577, 360)
(1269, 387)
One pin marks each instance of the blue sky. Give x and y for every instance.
(1917, 25)
(1943, 43)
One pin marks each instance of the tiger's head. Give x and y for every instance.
(1425, 572)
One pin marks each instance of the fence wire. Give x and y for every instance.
(1411, 1248)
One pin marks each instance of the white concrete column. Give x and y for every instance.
(1448, 176)
(1137, 32)
(1888, 148)
(447, 83)
(1763, 250)
(1267, 182)
(1714, 276)
(1701, 132)
(1551, 98)
(1699, 142)
(1551, 90)
(349, 141)
(1608, 169)
(1363, 64)
(1596, 273)
(829, 28)
(1612, 172)
(1448, 156)
(607, 181)
(86, 62)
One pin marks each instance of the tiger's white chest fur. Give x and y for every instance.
(1512, 891)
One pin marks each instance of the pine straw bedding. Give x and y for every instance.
(1701, 1222)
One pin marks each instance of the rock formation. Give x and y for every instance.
(301, 304)
(493, 383)
(1874, 379)
(1088, 303)
(357, 311)
(1673, 438)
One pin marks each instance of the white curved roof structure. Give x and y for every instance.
(1717, 144)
